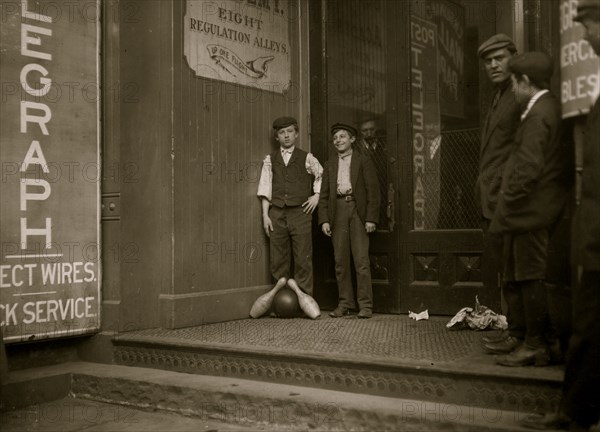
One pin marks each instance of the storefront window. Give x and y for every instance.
(445, 114)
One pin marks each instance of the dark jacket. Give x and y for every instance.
(497, 138)
(365, 188)
(535, 181)
(586, 247)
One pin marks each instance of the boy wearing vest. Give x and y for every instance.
(289, 188)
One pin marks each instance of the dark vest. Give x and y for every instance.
(292, 185)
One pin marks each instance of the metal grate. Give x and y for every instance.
(458, 173)
(387, 336)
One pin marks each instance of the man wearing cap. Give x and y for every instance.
(532, 197)
(289, 188)
(579, 408)
(371, 142)
(497, 138)
(349, 212)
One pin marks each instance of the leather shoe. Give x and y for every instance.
(365, 313)
(495, 338)
(525, 356)
(550, 421)
(505, 346)
(339, 312)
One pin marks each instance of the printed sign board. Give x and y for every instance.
(579, 65)
(49, 154)
(240, 41)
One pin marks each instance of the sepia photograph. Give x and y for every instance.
(299, 215)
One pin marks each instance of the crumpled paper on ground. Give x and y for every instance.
(479, 318)
(419, 316)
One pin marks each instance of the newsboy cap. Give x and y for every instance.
(536, 65)
(336, 127)
(585, 7)
(496, 42)
(283, 122)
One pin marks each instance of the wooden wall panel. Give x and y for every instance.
(221, 131)
(146, 103)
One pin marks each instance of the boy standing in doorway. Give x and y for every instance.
(349, 212)
(289, 188)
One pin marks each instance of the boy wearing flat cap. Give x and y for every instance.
(532, 197)
(497, 138)
(289, 187)
(579, 408)
(349, 212)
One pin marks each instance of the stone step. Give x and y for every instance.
(474, 381)
(264, 405)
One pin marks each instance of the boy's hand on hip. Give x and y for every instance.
(311, 204)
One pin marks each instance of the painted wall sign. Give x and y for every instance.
(579, 65)
(49, 218)
(426, 123)
(240, 41)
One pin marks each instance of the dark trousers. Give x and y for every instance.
(492, 264)
(492, 248)
(525, 257)
(528, 307)
(292, 234)
(581, 386)
(350, 238)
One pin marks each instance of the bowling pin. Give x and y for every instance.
(263, 303)
(308, 304)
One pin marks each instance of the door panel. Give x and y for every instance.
(444, 255)
(358, 72)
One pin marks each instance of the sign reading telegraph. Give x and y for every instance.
(49, 218)
(244, 42)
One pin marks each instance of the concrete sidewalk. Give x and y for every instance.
(73, 414)
(191, 402)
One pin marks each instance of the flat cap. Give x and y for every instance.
(584, 7)
(536, 65)
(496, 42)
(336, 127)
(283, 122)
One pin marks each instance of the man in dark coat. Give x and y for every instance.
(579, 409)
(371, 142)
(348, 212)
(532, 198)
(497, 138)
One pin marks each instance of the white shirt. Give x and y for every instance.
(532, 102)
(265, 184)
(344, 186)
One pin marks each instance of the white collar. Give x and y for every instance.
(285, 150)
(345, 155)
(532, 102)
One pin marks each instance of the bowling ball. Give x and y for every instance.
(285, 303)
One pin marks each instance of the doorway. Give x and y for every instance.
(407, 76)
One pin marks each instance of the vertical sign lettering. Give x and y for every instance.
(49, 220)
(425, 123)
